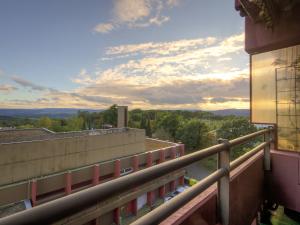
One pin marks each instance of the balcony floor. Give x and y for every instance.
(280, 218)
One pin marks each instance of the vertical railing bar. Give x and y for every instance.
(224, 183)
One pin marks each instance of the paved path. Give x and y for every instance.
(197, 171)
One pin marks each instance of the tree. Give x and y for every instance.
(110, 116)
(170, 123)
(234, 128)
(75, 123)
(148, 128)
(193, 133)
(45, 122)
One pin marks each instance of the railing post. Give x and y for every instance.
(224, 183)
(267, 154)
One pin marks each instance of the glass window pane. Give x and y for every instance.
(263, 95)
(286, 144)
(286, 109)
(287, 121)
(286, 97)
(275, 93)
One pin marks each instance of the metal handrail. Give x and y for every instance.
(248, 155)
(71, 204)
(160, 213)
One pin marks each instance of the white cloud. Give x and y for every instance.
(194, 58)
(161, 48)
(131, 10)
(136, 14)
(83, 78)
(104, 27)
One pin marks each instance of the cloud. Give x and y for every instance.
(222, 100)
(6, 88)
(174, 92)
(173, 2)
(29, 84)
(161, 48)
(104, 27)
(131, 10)
(83, 78)
(136, 14)
(193, 58)
(182, 74)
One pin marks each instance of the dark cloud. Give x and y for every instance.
(222, 100)
(7, 88)
(173, 92)
(93, 98)
(29, 84)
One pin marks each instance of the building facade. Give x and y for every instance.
(39, 166)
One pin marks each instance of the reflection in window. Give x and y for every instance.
(275, 93)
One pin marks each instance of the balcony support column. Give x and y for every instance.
(117, 173)
(135, 162)
(162, 189)
(150, 194)
(33, 192)
(181, 179)
(68, 182)
(96, 174)
(224, 183)
(173, 156)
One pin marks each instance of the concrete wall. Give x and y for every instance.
(284, 179)
(153, 144)
(54, 186)
(15, 135)
(29, 159)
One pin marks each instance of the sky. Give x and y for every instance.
(149, 54)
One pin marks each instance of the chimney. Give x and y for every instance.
(122, 116)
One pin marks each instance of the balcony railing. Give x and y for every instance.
(67, 206)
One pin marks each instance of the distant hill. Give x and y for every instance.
(67, 112)
(235, 112)
(36, 113)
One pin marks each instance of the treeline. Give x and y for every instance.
(196, 129)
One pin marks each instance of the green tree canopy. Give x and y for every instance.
(170, 123)
(234, 128)
(193, 133)
(45, 122)
(110, 116)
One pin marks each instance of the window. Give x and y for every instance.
(275, 93)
